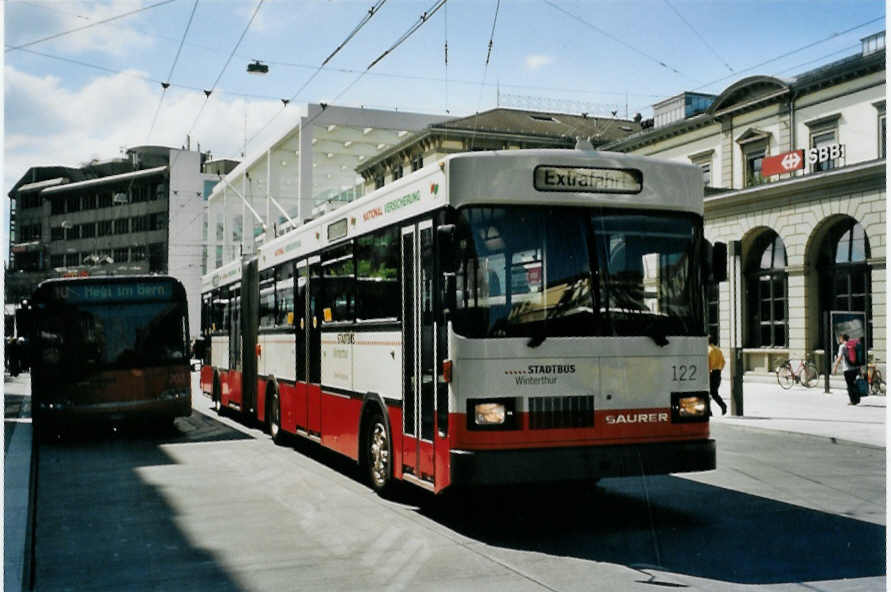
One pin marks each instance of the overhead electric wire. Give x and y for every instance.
(784, 55)
(614, 38)
(75, 30)
(166, 84)
(794, 51)
(701, 38)
(485, 74)
(207, 93)
(355, 30)
(423, 19)
(371, 12)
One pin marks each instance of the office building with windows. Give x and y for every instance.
(138, 214)
(795, 178)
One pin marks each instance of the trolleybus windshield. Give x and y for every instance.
(546, 271)
(100, 335)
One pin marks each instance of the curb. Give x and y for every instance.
(834, 439)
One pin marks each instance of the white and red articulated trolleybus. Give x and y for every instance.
(493, 318)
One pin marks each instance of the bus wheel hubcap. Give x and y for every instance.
(380, 454)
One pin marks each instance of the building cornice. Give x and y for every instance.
(803, 188)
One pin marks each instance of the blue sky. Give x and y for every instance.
(89, 93)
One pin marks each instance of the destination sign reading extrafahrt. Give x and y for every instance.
(587, 180)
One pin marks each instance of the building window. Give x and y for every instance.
(378, 181)
(58, 206)
(90, 201)
(72, 233)
(105, 200)
(417, 162)
(158, 221)
(397, 172)
(57, 233)
(754, 158)
(122, 226)
(103, 228)
(88, 230)
(822, 140)
(121, 255)
(73, 204)
(704, 161)
(157, 257)
(57, 260)
(880, 109)
(72, 260)
(845, 274)
(137, 253)
(767, 293)
(139, 223)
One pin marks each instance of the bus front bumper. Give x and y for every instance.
(174, 406)
(503, 467)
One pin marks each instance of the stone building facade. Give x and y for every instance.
(795, 180)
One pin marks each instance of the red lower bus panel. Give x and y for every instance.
(340, 417)
(314, 408)
(290, 407)
(206, 379)
(395, 414)
(230, 385)
(443, 468)
(261, 400)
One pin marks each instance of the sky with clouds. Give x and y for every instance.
(82, 78)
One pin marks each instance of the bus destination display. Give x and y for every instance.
(589, 180)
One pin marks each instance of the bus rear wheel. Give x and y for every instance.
(377, 453)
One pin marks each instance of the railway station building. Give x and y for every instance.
(795, 176)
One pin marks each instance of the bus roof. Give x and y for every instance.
(511, 177)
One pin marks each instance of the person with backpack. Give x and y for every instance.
(847, 356)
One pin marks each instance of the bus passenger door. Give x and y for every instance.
(233, 381)
(314, 328)
(419, 380)
(302, 321)
(249, 319)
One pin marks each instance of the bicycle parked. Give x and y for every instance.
(874, 379)
(805, 373)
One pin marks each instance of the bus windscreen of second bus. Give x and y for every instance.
(547, 271)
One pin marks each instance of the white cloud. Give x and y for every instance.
(36, 21)
(47, 124)
(534, 62)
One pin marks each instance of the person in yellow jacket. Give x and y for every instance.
(715, 365)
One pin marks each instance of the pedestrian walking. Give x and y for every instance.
(715, 366)
(848, 369)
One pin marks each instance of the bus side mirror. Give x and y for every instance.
(448, 260)
(719, 262)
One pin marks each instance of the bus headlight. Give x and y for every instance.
(688, 407)
(494, 414)
(489, 413)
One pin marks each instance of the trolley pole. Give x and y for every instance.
(734, 275)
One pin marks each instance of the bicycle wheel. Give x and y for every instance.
(809, 375)
(877, 388)
(785, 376)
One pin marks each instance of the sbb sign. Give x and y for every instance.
(782, 163)
(824, 153)
(794, 160)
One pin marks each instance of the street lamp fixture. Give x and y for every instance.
(257, 68)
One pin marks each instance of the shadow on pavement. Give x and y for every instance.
(674, 524)
(195, 428)
(102, 526)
